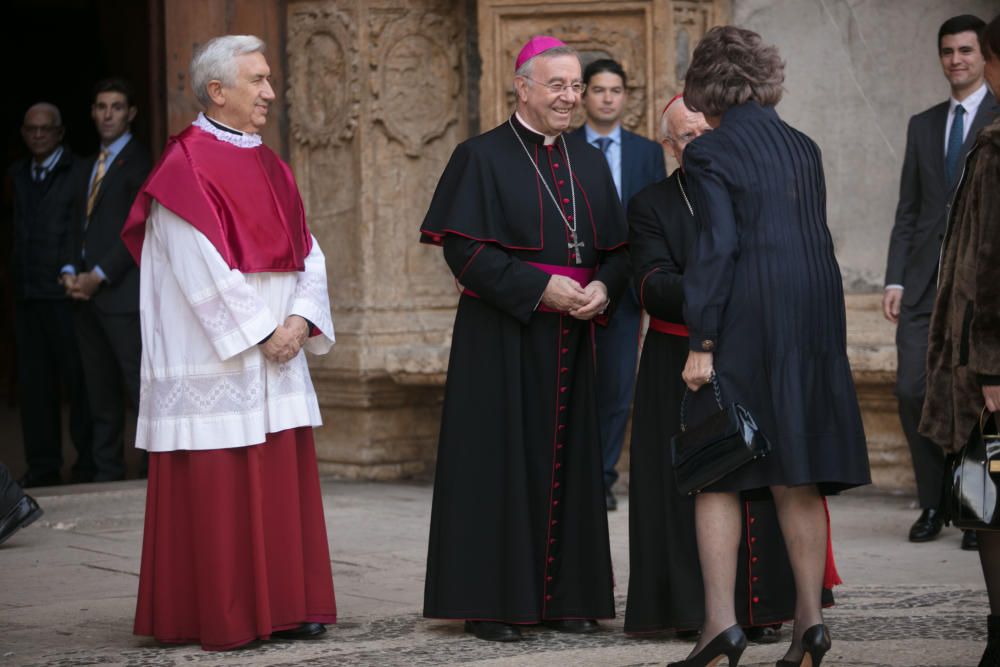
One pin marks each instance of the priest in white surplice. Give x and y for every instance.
(233, 293)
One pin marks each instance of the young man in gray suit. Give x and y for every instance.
(937, 142)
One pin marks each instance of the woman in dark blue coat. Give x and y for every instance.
(764, 304)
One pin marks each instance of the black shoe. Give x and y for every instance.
(17, 517)
(991, 658)
(494, 631)
(763, 634)
(970, 540)
(927, 527)
(610, 502)
(687, 635)
(576, 626)
(304, 631)
(31, 479)
(731, 643)
(815, 643)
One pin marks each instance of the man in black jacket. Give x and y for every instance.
(937, 141)
(102, 276)
(45, 207)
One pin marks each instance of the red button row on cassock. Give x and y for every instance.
(564, 373)
(753, 559)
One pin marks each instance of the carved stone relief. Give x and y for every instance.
(691, 22)
(415, 79)
(323, 83)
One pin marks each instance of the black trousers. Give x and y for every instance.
(110, 346)
(47, 360)
(911, 385)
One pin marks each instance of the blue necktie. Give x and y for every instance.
(955, 139)
(604, 143)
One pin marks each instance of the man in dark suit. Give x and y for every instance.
(45, 208)
(100, 274)
(635, 162)
(937, 142)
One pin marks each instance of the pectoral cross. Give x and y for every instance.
(575, 246)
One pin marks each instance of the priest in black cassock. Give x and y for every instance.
(665, 580)
(533, 230)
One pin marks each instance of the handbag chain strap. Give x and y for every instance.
(717, 390)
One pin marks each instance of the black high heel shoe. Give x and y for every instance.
(730, 643)
(815, 643)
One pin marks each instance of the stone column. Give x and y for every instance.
(376, 103)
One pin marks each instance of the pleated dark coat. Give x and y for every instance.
(519, 531)
(763, 290)
(665, 589)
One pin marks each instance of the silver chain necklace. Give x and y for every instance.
(680, 184)
(575, 244)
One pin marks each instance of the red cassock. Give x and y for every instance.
(234, 545)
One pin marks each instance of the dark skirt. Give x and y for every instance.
(665, 582)
(234, 546)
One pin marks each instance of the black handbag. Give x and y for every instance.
(975, 476)
(706, 452)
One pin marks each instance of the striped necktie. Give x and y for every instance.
(956, 137)
(95, 187)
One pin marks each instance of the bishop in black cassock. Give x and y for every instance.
(519, 532)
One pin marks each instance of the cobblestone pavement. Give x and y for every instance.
(68, 582)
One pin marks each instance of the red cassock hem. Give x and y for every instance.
(234, 546)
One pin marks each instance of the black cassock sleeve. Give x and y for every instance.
(495, 276)
(614, 273)
(656, 275)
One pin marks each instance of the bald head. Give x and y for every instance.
(679, 126)
(42, 129)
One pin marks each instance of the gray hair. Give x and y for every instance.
(215, 60)
(526, 67)
(47, 106)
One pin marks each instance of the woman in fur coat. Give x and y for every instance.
(963, 359)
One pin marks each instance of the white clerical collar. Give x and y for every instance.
(236, 138)
(549, 139)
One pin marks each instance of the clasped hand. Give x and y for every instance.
(286, 341)
(568, 296)
(80, 287)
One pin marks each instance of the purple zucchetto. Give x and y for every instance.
(536, 45)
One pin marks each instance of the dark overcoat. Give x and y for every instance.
(763, 291)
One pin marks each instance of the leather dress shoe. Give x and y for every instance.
(304, 631)
(576, 626)
(494, 631)
(31, 479)
(763, 634)
(970, 540)
(610, 502)
(17, 517)
(926, 527)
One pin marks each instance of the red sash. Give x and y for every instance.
(669, 328)
(579, 274)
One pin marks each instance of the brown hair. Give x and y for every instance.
(731, 66)
(990, 38)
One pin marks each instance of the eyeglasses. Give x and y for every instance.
(39, 129)
(558, 88)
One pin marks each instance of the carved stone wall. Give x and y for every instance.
(376, 105)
